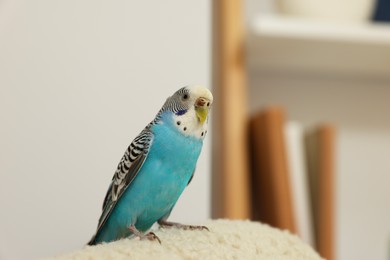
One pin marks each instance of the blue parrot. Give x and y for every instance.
(156, 168)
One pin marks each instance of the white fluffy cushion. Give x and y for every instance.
(226, 240)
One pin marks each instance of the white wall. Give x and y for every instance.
(78, 81)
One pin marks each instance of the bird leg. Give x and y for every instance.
(165, 223)
(150, 236)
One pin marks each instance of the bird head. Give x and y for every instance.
(190, 107)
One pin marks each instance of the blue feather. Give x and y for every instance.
(159, 183)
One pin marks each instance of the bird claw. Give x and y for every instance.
(152, 237)
(190, 227)
(181, 226)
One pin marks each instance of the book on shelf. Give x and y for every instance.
(292, 177)
(296, 159)
(272, 197)
(320, 145)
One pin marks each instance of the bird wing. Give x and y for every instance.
(127, 170)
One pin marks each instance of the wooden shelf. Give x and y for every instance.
(278, 43)
(231, 179)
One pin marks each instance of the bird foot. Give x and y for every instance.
(181, 226)
(149, 236)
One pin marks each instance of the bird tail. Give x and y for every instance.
(92, 242)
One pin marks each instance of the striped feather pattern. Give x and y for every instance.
(136, 154)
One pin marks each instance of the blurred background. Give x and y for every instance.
(79, 80)
(329, 62)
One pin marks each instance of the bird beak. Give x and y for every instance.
(202, 107)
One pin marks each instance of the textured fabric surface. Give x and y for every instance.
(227, 239)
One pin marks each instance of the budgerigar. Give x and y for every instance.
(156, 168)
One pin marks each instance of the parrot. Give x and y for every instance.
(156, 168)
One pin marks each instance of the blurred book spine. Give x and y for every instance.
(296, 158)
(382, 11)
(272, 200)
(320, 158)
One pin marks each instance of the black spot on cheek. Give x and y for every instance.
(178, 122)
(202, 134)
(185, 128)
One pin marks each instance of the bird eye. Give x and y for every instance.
(185, 96)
